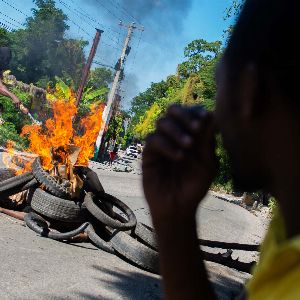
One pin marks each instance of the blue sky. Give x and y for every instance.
(169, 26)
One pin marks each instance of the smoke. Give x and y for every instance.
(129, 89)
(163, 21)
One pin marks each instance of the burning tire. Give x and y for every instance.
(95, 205)
(57, 208)
(50, 183)
(135, 252)
(146, 235)
(17, 184)
(40, 226)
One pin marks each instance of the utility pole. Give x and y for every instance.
(88, 65)
(115, 86)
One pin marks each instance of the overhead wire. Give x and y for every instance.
(3, 25)
(125, 11)
(108, 10)
(11, 24)
(85, 14)
(11, 18)
(15, 8)
(79, 14)
(136, 51)
(79, 27)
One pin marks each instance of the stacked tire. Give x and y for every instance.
(50, 201)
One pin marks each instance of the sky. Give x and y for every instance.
(169, 25)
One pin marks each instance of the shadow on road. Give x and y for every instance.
(129, 285)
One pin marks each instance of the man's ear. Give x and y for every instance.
(248, 91)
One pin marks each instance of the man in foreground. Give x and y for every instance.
(258, 115)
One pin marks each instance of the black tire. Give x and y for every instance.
(50, 183)
(135, 252)
(95, 209)
(7, 173)
(146, 235)
(57, 208)
(98, 241)
(40, 226)
(17, 184)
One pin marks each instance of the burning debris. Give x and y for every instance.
(56, 143)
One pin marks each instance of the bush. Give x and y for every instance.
(9, 133)
(272, 205)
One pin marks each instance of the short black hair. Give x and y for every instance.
(266, 33)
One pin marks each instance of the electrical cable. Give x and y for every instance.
(15, 8)
(11, 18)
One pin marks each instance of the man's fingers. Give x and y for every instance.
(176, 133)
(189, 117)
(157, 144)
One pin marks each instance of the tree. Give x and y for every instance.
(5, 40)
(141, 103)
(99, 77)
(41, 50)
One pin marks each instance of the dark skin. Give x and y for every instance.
(16, 101)
(179, 166)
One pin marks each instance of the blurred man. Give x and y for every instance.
(258, 116)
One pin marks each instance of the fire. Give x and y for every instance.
(86, 142)
(53, 140)
(10, 159)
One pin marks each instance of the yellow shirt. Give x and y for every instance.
(277, 275)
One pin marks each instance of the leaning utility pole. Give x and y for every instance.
(115, 86)
(87, 67)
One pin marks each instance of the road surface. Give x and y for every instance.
(33, 267)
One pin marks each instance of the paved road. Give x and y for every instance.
(37, 268)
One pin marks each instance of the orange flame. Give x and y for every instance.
(12, 160)
(57, 134)
(87, 141)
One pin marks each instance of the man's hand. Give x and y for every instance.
(179, 162)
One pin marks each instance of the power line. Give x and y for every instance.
(137, 48)
(11, 18)
(3, 25)
(86, 15)
(125, 11)
(18, 10)
(119, 19)
(103, 65)
(79, 14)
(66, 6)
(11, 24)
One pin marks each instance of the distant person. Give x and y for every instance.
(113, 153)
(258, 115)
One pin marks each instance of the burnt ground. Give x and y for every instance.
(33, 267)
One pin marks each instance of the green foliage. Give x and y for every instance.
(99, 77)
(234, 9)
(116, 128)
(272, 205)
(13, 115)
(194, 84)
(41, 51)
(8, 132)
(5, 40)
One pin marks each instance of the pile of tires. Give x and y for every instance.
(94, 213)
